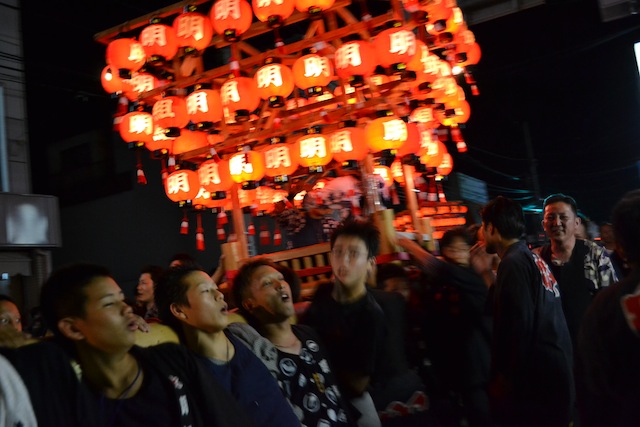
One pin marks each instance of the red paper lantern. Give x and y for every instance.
(313, 7)
(273, 12)
(428, 142)
(231, 18)
(171, 113)
(397, 170)
(137, 126)
(188, 141)
(354, 60)
(386, 133)
(215, 176)
(395, 47)
(412, 144)
(424, 116)
(348, 143)
(313, 151)
(204, 107)
(247, 167)
(111, 81)
(385, 173)
(240, 97)
(425, 64)
(159, 42)
(193, 31)
(434, 154)
(126, 56)
(160, 141)
(203, 200)
(446, 166)
(139, 84)
(312, 73)
(279, 160)
(274, 83)
(454, 113)
(182, 185)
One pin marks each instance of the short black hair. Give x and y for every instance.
(155, 271)
(185, 260)
(561, 198)
(169, 289)
(626, 225)
(506, 216)
(390, 270)
(364, 230)
(242, 281)
(63, 294)
(4, 297)
(454, 233)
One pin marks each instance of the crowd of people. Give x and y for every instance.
(489, 332)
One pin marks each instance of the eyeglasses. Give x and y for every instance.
(352, 254)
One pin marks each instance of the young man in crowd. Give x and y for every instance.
(111, 382)
(531, 380)
(9, 313)
(190, 302)
(369, 362)
(145, 306)
(293, 353)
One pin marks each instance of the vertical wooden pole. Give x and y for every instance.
(410, 195)
(238, 222)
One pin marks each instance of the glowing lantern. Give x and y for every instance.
(434, 154)
(412, 144)
(468, 55)
(159, 42)
(188, 141)
(279, 159)
(246, 168)
(354, 60)
(182, 185)
(312, 73)
(397, 171)
(170, 113)
(386, 133)
(439, 11)
(385, 173)
(350, 91)
(455, 113)
(193, 31)
(425, 116)
(428, 143)
(313, 151)
(231, 18)
(445, 89)
(139, 84)
(215, 177)
(446, 166)
(111, 82)
(313, 7)
(137, 126)
(274, 83)
(273, 12)
(203, 200)
(425, 64)
(126, 56)
(395, 47)
(240, 97)
(204, 107)
(159, 141)
(348, 143)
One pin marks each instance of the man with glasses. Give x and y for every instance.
(581, 267)
(360, 331)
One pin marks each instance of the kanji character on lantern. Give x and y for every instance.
(246, 168)
(312, 73)
(231, 18)
(274, 83)
(215, 176)
(354, 60)
(193, 31)
(182, 185)
(159, 42)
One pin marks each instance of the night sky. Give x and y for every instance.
(554, 70)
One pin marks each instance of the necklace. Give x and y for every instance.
(294, 341)
(127, 390)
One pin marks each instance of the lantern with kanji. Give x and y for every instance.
(137, 127)
(384, 172)
(189, 140)
(159, 42)
(204, 106)
(182, 185)
(312, 72)
(348, 144)
(454, 113)
(313, 150)
(313, 7)
(246, 168)
(425, 116)
(434, 154)
(274, 82)
(231, 18)
(170, 113)
(446, 166)
(395, 47)
(412, 143)
(193, 31)
(160, 141)
(280, 159)
(215, 177)
(387, 132)
(203, 200)
(273, 12)
(126, 56)
(138, 84)
(111, 81)
(354, 60)
(240, 97)
(426, 65)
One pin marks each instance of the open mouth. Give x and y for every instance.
(224, 309)
(285, 296)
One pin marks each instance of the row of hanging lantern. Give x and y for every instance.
(179, 124)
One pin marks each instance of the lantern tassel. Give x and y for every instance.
(277, 237)
(461, 146)
(121, 111)
(199, 234)
(251, 231)
(222, 218)
(474, 90)
(184, 226)
(265, 236)
(221, 233)
(142, 180)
